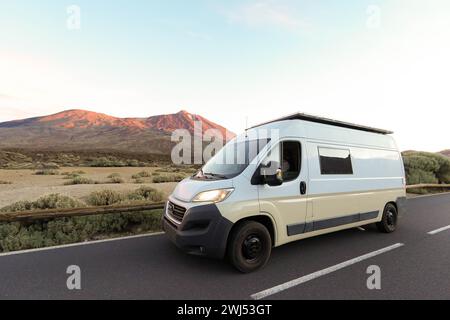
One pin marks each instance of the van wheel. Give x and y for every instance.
(388, 223)
(249, 246)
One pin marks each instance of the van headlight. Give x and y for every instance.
(213, 195)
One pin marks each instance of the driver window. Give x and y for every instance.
(288, 155)
(291, 160)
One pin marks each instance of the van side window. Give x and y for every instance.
(288, 155)
(335, 161)
(291, 160)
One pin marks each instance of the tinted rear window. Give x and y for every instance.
(335, 161)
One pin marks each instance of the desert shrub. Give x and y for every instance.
(5, 182)
(147, 194)
(51, 201)
(56, 201)
(116, 180)
(443, 173)
(142, 174)
(133, 163)
(190, 171)
(73, 173)
(105, 198)
(15, 236)
(168, 170)
(424, 167)
(110, 197)
(107, 162)
(418, 176)
(18, 206)
(79, 180)
(138, 180)
(417, 161)
(168, 178)
(47, 172)
(161, 179)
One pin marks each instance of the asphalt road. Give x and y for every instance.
(152, 268)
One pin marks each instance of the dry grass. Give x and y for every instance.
(142, 174)
(29, 187)
(52, 201)
(111, 197)
(169, 178)
(80, 180)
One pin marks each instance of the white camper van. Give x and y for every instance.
(316, 176)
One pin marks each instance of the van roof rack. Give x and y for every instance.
(337, 123)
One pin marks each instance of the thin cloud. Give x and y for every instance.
(264, 14)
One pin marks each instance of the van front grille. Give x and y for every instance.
(175, 211)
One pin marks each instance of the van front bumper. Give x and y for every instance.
(203, 231)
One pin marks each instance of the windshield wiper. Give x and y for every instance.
(215, 175)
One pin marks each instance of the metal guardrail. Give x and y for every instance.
(28, 216)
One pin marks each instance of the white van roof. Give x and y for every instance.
(337, 123)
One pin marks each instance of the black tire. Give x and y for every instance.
(249, 246)
(388, 223)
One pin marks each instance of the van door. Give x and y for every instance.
(287, 203)
(335, 192)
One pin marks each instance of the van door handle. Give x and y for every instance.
(303, 187)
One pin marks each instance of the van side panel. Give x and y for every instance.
(357, 198)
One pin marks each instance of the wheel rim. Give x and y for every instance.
(252, 248)
(390, 219)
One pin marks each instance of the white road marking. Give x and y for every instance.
(79, 244)
(439, 230)
(361, 229)
(317, 274)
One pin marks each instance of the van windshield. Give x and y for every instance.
(232, 159)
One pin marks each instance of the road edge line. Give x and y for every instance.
(5, 254)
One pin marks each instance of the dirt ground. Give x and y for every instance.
(28, 186)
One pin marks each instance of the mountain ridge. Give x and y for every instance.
(78, 129)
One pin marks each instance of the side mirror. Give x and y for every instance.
(271, 174)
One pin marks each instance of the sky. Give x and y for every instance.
(379, 63)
